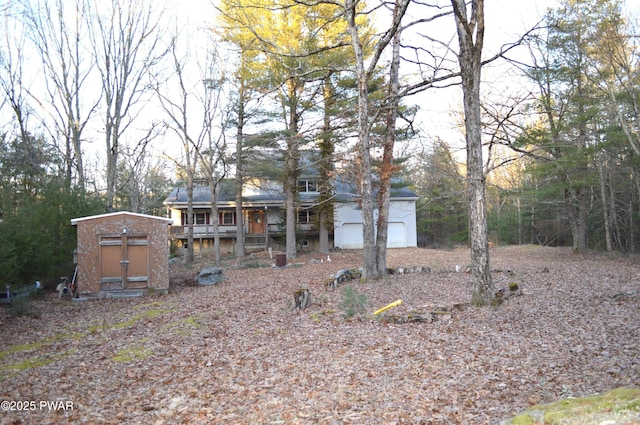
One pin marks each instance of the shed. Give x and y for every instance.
(122, 254)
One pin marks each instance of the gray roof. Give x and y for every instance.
(202, 195)
(345, 190)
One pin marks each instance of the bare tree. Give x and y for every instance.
(138, 174)
(363, 74)
(12, 78)
(213, 158)
(176, 108)
(387, 166)
(192, 99)
(470, 27)
(57, 33)
(241, 115)
(326, 164)
(125, 37)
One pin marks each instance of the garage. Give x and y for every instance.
(396, 236)
(352, 236)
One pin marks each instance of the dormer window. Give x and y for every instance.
(307, 185)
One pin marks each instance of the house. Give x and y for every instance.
(347, 232)
(263, 215)
(122, 254)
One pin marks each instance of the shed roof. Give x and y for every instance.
(74, 221)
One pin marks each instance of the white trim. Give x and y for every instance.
(74, 221)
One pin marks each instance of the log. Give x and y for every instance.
(302, 298)
(420, 316)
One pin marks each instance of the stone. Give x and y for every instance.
(210, 276)
(343, 276)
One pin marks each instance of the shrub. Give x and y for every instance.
(353, 302)
(22, 307)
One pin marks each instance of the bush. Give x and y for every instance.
(353, 302)
(22, 307)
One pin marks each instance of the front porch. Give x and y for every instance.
(203, 237)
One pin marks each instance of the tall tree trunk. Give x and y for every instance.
(471, 37)
(370, 271)
(215, 218)
(635, 200)
(576, 207)
(74, 102)
(291, 185)
(605, 205)
(326, 169)
(617, 241)
(112, 163)
(572, 216)
(387, 167)
(583, 225)
(190, 215)
(240, 251)
(292, 162)
(519, 210)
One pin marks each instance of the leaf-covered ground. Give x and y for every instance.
(238, 353)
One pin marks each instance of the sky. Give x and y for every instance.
(505, 21)
(439, 115)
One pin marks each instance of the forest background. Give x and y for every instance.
(108, 105)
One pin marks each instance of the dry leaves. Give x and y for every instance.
(239, 353)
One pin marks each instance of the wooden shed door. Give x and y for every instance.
(137, 272)
(123, 262)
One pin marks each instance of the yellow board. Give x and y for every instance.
(387, 307)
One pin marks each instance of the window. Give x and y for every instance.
(227, 218)
(198, 218)
(307, 186)
(305, 216)
(201, 218)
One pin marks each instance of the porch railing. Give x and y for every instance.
(202, 230)
(256, 241)
(251, 241)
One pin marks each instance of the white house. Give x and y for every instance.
(263, 210)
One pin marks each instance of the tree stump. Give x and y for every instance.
(331, 284)
(302, 298)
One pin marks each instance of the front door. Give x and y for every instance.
(123, 262)
(257, 221)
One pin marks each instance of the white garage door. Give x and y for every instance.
(396, 236)
(352, 236)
